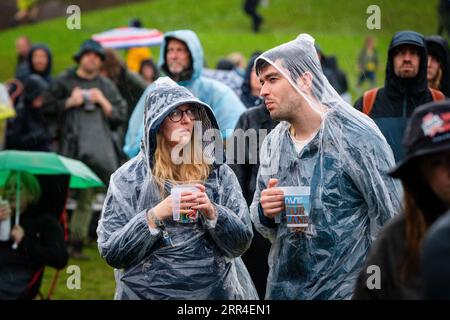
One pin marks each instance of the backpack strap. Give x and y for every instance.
(437, 95)
(368, 100)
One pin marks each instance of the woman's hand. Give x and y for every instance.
(203, 203)
(17, 234)
(5, 212)
(189, 202)
(164, 209)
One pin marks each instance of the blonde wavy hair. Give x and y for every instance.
(165, 170)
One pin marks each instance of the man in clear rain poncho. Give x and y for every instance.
(155, 256)
(339, 157)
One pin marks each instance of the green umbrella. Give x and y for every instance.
(45, 163)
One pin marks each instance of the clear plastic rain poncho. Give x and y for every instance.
(351, 197)
(204, 261)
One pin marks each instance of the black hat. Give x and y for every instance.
(407, 37)
(428, 132)
(437, 46)
(90, 46)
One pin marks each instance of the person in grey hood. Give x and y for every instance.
(334, 160)
(157, 256)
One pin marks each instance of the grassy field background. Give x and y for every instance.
(97, 279)
(339, 27)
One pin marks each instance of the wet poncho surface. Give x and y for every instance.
(345, 166)
(204, 262)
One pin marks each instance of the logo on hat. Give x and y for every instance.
(433, 124)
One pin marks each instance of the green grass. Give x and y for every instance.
(97, 279)
(339, 27)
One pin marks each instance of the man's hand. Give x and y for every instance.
(272, 200)
(76, 98)
(96, 96)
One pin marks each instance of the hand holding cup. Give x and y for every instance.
(272, 200)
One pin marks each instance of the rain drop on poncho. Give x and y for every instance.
(351, 197)
(204, 262)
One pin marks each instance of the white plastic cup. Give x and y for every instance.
(5, 225)
(176, 195)
(296, 200)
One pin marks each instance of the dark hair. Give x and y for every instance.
(260, 65)
(113, 65)
(225, 64)
(135, 22)
(295, 73)
(422, 208)
(151, 64)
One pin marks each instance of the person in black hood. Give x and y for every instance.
(28, 131)
(39, 62)
(438, 64)
(405, 88)
(334, 75)
(250, 88)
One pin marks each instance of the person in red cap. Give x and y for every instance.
(425, 175)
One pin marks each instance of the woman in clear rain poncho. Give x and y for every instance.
(340, 158)
(198, 260)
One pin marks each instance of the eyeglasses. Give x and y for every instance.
(177, 114)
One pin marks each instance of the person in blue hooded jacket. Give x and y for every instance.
(181, 58)
(156, 256)
(334, 159)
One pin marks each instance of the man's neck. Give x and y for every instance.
(306, 123)
(85, 75)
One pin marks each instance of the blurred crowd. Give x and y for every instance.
(103, 110)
